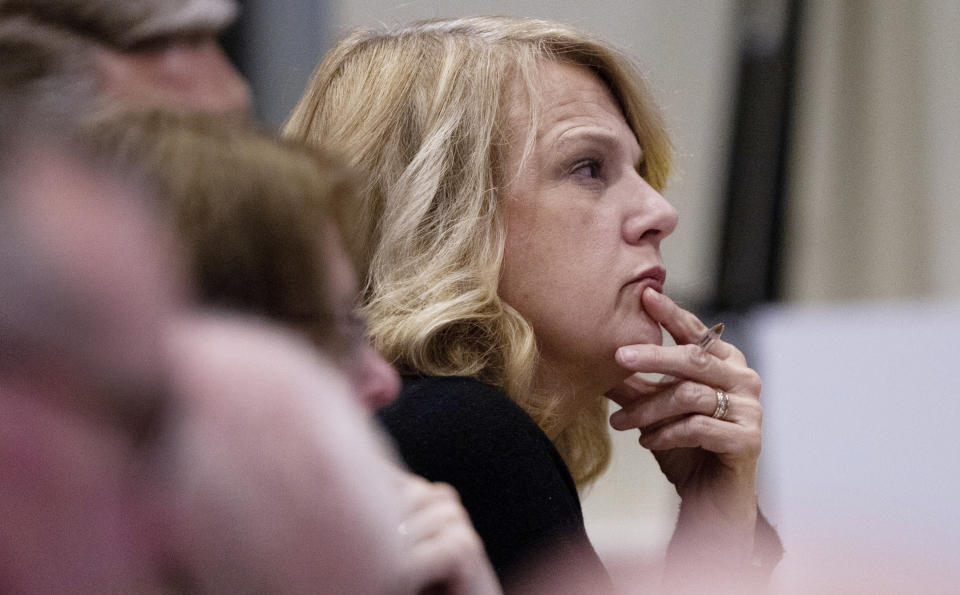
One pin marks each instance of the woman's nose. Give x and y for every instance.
(376, 382)
(649, 216)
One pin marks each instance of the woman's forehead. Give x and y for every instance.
(564, 98)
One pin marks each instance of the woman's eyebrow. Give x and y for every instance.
(593, 134)
(606, 139)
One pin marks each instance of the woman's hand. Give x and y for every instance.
(712, 462)
(444, 553)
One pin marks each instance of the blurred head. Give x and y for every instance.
(88, 280)
(288, 494)
(45, 74)
(88, 283)
(259, 220)
(138, 53)
(428, 116)
(68, 501)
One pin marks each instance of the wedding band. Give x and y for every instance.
(721, 411)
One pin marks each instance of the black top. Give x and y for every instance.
(512, 481)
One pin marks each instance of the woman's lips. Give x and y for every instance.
(653, 277)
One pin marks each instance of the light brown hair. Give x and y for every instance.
(253, 211)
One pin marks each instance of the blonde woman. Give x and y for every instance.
(508, 238)
(258, 217)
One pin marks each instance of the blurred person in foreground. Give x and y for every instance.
(88, 285)
(107, 364)
(507, 237)
(269, 477)
(61, 63)
(68, 58)
(259, 219)
(147, 446)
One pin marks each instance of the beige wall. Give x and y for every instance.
(874, 209)
(942, 52)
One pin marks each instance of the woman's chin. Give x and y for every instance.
(642, 334)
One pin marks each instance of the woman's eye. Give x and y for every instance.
(587, 169)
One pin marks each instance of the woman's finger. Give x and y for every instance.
(700, 431)
(634, 388)
(452, 561)
(430, 521)
(685, 361)
(430, 563)
(444, 550)
(420, 494)
(679, 400)
(683, 326)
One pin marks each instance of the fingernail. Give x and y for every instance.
(654, 294)
(615, 420)
(628, 356)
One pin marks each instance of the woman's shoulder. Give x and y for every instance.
(511, 478)
(455, 397)
(454, 386)
(473, 436)
(462, 413)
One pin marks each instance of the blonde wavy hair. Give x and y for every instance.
(420, 112)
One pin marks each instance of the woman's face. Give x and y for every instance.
(583, 228)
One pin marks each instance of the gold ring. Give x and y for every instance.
(722, 400)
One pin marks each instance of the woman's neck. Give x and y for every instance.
(571, 388)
